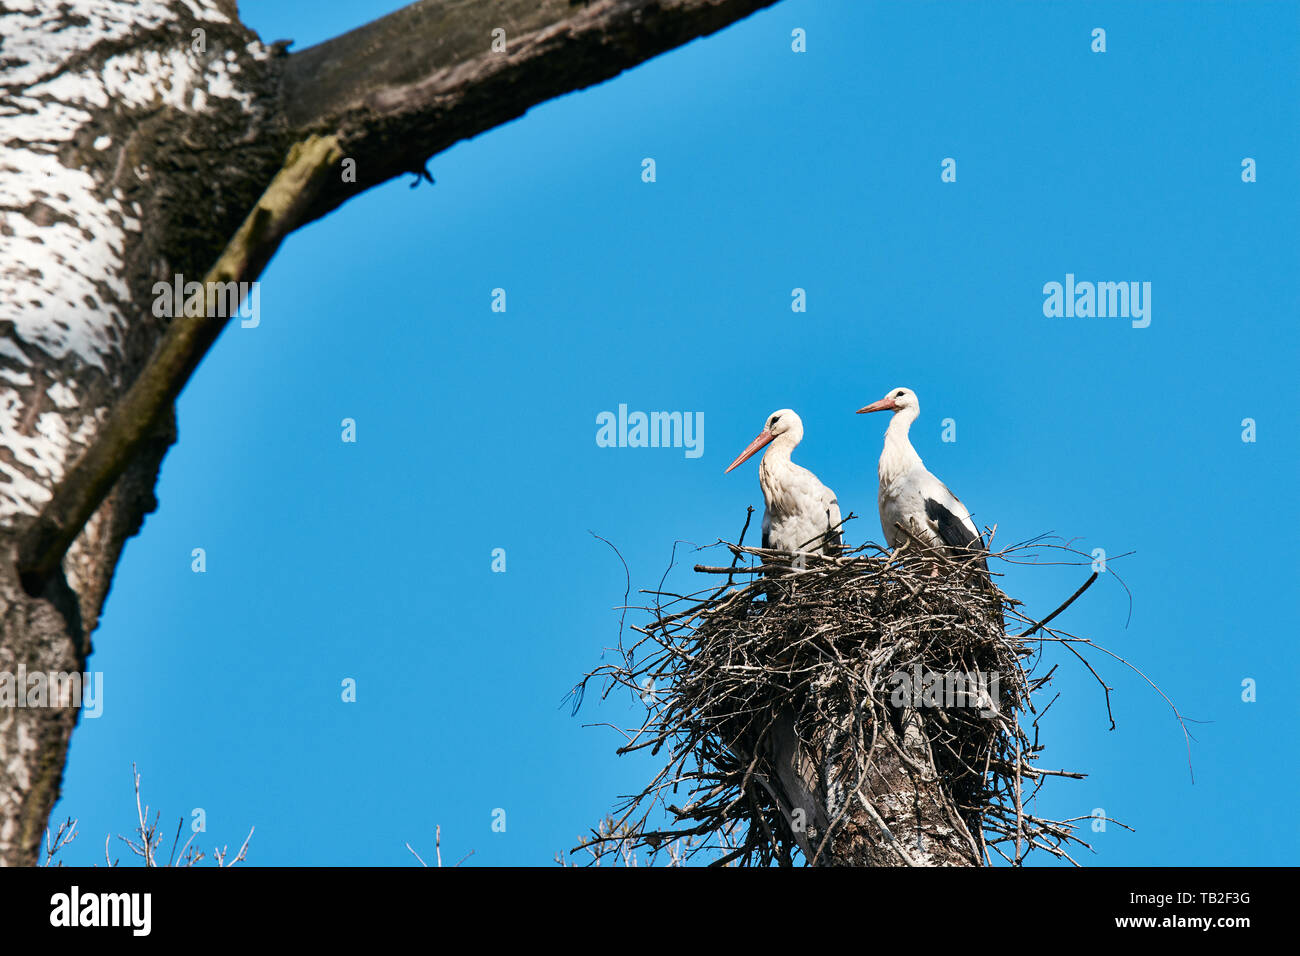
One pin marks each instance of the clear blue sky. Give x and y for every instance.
(776, 170)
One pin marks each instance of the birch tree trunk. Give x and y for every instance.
(130, 147)
(135, 138)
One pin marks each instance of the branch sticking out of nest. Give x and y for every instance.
(869, 708)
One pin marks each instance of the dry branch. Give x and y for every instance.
(409, 85)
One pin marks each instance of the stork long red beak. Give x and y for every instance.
(884, 405)
(763, 438)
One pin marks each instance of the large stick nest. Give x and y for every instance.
(868, 708)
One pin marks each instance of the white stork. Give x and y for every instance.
(912, 497)
(802, 513)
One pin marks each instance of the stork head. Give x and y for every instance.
(895, 400)
(783, 423)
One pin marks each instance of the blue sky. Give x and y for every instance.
(775, 170)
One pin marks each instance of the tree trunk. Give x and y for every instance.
(901, 815)
(128, 156)
(135, 138)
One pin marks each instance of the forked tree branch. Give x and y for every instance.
(279, 211)
(387, 95)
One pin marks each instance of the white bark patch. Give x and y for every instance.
(17, 767)
(34, 461)
(62, 396)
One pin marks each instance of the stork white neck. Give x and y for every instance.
(898, 456)
(781, 447)
(776, 463)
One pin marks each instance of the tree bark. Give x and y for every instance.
(899, 815)
(135, 138)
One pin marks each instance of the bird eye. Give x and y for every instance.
(898, 394)
(775, 419)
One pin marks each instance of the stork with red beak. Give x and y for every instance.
(912, 497)
(802, 513)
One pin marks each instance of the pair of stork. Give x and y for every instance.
(802, 514)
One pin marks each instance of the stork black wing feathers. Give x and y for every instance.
(954, 532)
